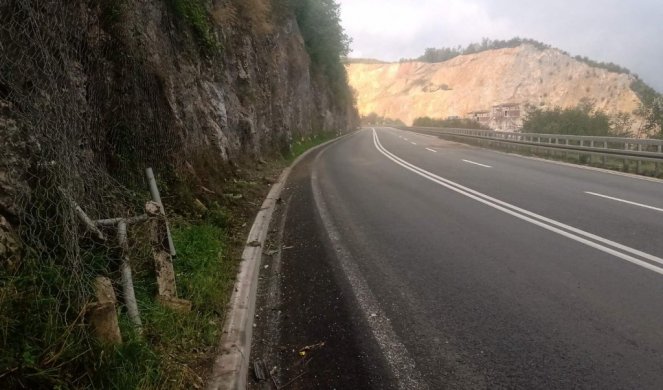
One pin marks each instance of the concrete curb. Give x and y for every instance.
(230, 371)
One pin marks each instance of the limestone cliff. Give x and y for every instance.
(105, 88)
(471, 83)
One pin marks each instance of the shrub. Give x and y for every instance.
(581, 120)
(196, 15)
(461, 123)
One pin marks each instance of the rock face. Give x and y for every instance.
(474, 83)
(97, 91)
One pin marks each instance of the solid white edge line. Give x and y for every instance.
(547, 220)
(431, 150)
(624, 201)
(460, 189)
(476, 163)
(396, 354)
(555, 162)
(231, 364)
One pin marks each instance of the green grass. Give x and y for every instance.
(174, 344)
(195, 14)
(303, 144)
(45, 344)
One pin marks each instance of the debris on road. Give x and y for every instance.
(259, 370)
(310, 348)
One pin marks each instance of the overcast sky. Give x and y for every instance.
(626, 32)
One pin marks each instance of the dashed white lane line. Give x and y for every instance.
(624, 201)
(431, 150)
(413, 143)
(602, 244)
(476, 163)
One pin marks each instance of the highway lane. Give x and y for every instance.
(555, 190)
(480, 297)
(458, 267)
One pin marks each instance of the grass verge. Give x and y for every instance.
(305, 143)
(175, 348)
(45, 342)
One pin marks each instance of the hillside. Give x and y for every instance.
(215, 96)
(473, 84)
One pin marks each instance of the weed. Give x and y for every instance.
(305, 143)
(195, 13)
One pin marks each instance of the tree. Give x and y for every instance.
(581, 120)
(326, 43)
(652, 112)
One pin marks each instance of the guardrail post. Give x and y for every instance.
(660, 148)
(604, 158)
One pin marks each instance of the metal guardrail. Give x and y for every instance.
(624, 149)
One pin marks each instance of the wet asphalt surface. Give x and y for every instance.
(478, 297)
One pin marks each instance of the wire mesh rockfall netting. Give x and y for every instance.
(80, 120)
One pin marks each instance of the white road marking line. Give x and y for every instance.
(540, 159)
(398, 358)
(413, 143)
(548, 220)
(405, 139)
(624, 201)
(431, 150)
(528, 216)
(476, 163)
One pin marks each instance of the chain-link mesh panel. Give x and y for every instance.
(81, 118)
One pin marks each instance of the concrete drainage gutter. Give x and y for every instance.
(231, 367)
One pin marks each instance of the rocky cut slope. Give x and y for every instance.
(92, 92)
(102, 89)
(524, 75)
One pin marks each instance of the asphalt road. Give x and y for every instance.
(451, 266)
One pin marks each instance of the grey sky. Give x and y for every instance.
(628, 33)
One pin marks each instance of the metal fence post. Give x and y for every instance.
(127, 280)
(154, 190)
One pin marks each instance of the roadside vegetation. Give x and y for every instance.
(374, 119)
(651, 109)
(46, 341)
(305, 143)
(580, 120)
(326, 43)
(457, 123)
